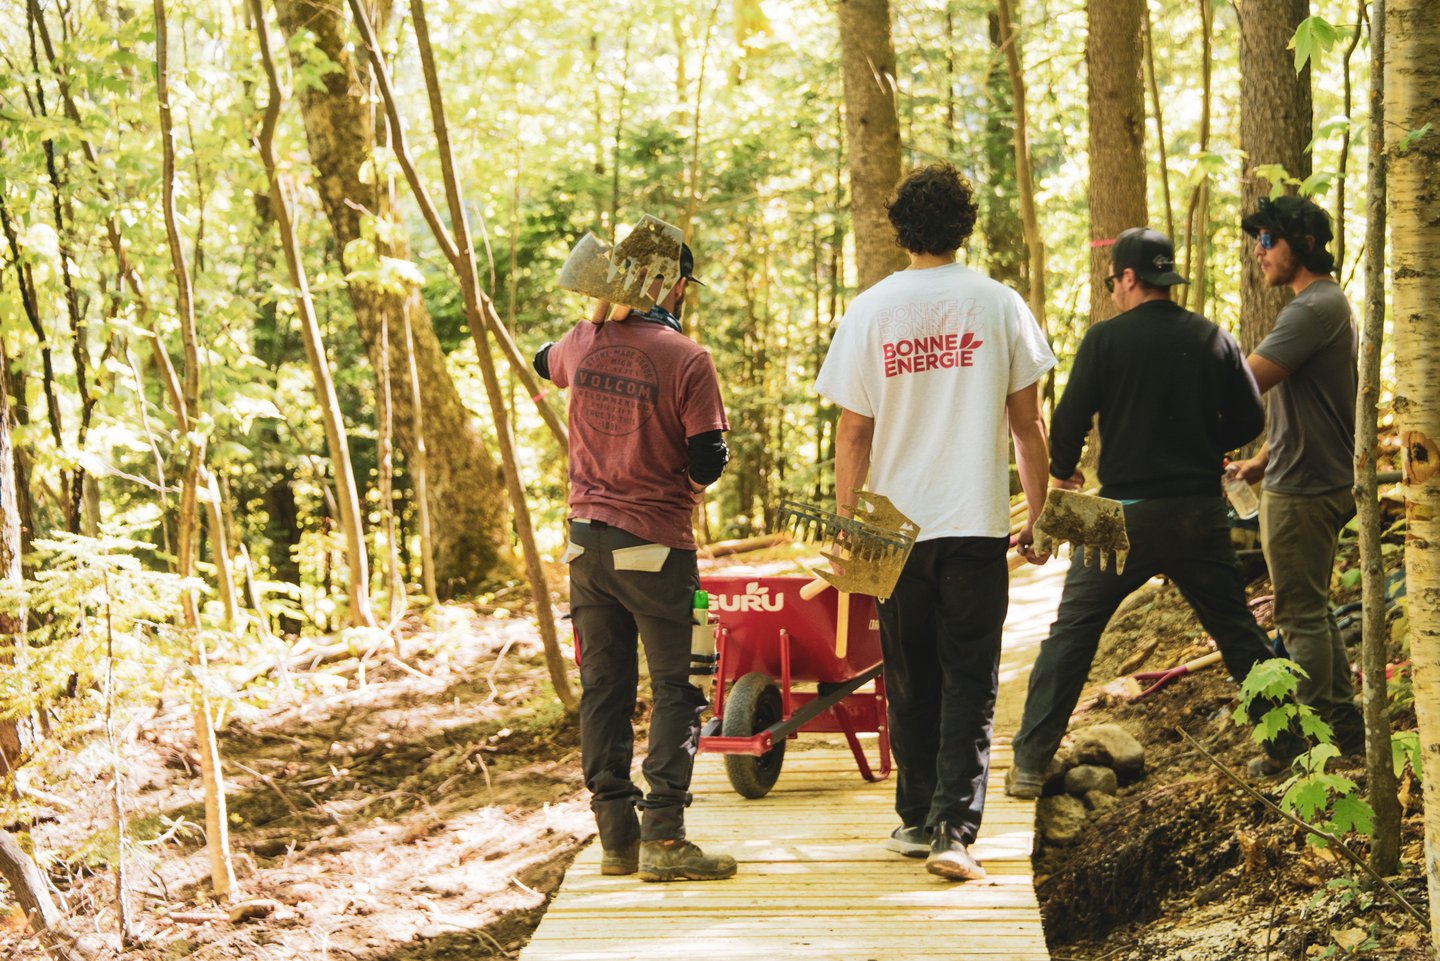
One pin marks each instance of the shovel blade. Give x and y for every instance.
(1093, 526)
(626, 273)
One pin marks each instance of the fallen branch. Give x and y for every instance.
(1324, 835)
(33, 894)
(742, 546)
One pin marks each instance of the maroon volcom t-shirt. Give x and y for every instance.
(638, 390)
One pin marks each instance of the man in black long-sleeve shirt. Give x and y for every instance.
(1173, 394)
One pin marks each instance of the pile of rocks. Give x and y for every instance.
(1083, 778)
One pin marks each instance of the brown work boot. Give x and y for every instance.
(950, 858)
(682, 861)
(624, 860)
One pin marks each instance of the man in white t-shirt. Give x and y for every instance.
(929, 368)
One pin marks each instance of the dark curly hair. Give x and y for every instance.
(933, 210)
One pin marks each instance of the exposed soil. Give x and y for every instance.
(1189, 866)
(427, 813)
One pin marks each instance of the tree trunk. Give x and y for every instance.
(464, 483)
(1003, 229)
(1275, 122)
(1379, 767)
(1412, 101)
(1115, 99)
(1197, 214)
(17, 737)
(1024, 178)
(346, 495)
(217, 829)
(872, 133)
(33, 895)
(479, 311)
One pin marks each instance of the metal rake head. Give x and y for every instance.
(868, 549)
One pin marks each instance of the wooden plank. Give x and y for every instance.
(815, 881)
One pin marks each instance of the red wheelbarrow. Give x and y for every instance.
(768, 640)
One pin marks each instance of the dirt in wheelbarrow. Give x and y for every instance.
(1187, 865)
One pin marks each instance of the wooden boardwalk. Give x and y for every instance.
(815, 881)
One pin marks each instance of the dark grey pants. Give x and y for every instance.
(1188, 540)
(1300, 533)
(940, 635)
(610, 609)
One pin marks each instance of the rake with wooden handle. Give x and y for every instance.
(868, 551)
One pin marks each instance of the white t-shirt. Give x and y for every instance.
(931, 355)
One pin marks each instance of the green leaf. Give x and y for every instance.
(1272, 722)
(1317, 184)
(1313, 726)
(1351, 577)
(1274, 678)
(1408, 141)
(1314, 36)
(1352, 814)
(1405, 747)
(1305, 798)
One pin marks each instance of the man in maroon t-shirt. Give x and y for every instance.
(646, 437)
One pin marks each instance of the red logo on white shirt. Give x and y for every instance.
(916, 355)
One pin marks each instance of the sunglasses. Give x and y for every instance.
(1110, 282)
(1266, 239)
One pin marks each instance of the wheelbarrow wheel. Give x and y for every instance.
(752, 705)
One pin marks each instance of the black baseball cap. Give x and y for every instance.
(687, 265)
(1291, 218)
(1147, 252)
(1295, 218)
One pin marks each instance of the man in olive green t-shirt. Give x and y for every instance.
(1307, 363)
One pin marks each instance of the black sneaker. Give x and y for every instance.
(624, 860)
(682, 861)
(949, 857)
(913, 842)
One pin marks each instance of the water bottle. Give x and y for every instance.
(702, 643)
(1241, 495)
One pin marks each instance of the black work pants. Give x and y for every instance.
(940, 634)
(1186, 539)
(610, 608)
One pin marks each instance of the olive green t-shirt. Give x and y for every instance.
(1311, 418)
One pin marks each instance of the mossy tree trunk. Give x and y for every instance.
(464, 483)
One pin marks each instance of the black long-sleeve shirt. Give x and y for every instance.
(1173, 394)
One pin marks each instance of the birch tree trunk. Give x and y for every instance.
(1115, 99)
(346, 496)
(217, 830)
(1379, 767)
(1275, 124)
(1412, 101)
(872, 132)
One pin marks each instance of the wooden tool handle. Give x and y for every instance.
(810, 590)
(1202, 662)
(842, 624)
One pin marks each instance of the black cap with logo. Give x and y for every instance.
(1147, 252)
